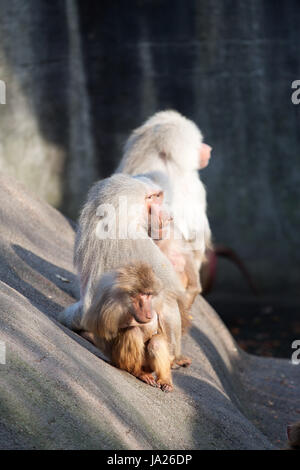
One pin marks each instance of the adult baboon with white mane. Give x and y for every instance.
(171, 145)
(104, 243)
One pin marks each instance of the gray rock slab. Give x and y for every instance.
(56, 392)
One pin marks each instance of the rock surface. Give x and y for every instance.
(57, 393)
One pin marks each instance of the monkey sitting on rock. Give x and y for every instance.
(125, 321)
(170, 148)
(114, 231)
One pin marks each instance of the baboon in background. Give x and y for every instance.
(102, 245)
(171, 145)
(184, 265)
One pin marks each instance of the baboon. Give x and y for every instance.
(171, 146)
(126, 322)
(114, 227)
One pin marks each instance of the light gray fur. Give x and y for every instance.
(94, 256)
(71, 316)
(168, 143)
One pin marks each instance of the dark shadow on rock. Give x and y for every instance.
(230, 384)
(61, 278)
(39, 300)
(214, 357)
(73, 224)
(68, 422)
(233, 423)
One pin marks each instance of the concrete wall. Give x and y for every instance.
(81, 75)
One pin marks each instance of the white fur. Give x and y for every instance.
(170, 143)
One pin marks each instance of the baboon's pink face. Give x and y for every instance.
(159, 216)
(204, 155)
(142, 306)
(140, 310)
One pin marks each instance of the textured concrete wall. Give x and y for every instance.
(81, 75)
